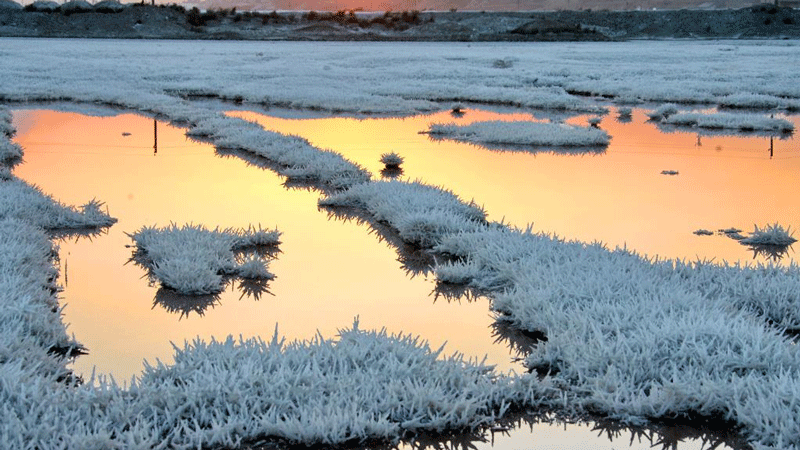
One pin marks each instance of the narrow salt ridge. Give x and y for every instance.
(523, 133)
(421, 214)
(637, 339)
(23, 201)
(294, 157)
(193, 260)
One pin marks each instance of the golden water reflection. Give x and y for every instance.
(619, 197)
(329, 271)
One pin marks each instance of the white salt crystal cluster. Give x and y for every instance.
(193, 260)
(10, 152)
(522, 133)
(293, 157)
(774, 234)
(637, 339)
(663, 111)
(750, 100)
(20, 200)
(391, 160)
(421, 214)
(363, 386)
(6, 128)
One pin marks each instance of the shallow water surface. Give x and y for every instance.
(329, 271)
(618, 196)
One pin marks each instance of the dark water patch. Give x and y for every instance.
(177, 303)
(519, 341)
(415, 261)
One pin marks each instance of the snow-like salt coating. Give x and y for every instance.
(403, 78)
(774, 234)
(20, 200)
(362, 386)
(391, 160)
(193, 260)
(10, 152)
(523, 134)
(31, 331)
(420, 213)
(637, 339)
(629, 338)
(663, 111)
(292, 157)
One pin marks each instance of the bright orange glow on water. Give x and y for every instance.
(331, 271)
(328, 272)
(619, 197)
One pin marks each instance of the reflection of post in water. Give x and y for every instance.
(155, 137)
(699, 144)
(771, 147)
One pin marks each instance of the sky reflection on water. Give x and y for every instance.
(331, 269)
(328, 271)
(619, 197)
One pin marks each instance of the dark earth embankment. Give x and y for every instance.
(175, 22)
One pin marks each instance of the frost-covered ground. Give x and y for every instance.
(193, 260)
(669, 114)
(627, 337)
(522, 133)
(396, 78)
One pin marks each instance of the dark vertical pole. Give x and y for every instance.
(771, 148)
(155, 137)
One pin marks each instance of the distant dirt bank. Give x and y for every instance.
(175, 22)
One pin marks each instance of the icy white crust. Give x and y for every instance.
(523, 133)
(193, 260)
(635, 338)
(420, 213)
(290, 156)
(774, 234)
